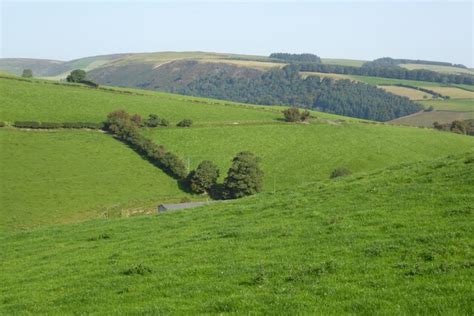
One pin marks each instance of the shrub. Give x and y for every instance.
(154, 120)
(174, 166)
(185, 123)
(245, 177)
(89, 83)
(340, 172)
(294, 115)
(83, 125)
(2, 124)
(137, 119)
(27, 124)
(27, 73)
(204, 177)
(50, 125)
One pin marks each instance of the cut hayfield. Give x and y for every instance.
(410, 93)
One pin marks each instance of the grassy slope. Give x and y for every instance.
(394, 242)
(48, 102)
(58, 177)
(294, 154)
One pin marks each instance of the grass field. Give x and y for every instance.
(48, 102)
(397, 241)
(67, 176)
(412, 94)
(294, 154)
(465, 105)
(439, 68)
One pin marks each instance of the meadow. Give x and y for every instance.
(395, 241)
(67, 176)
(297, 153)
(45, 101)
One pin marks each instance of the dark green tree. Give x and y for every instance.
(245, 177)
(204, 177)
(27, 73)
(77, 75)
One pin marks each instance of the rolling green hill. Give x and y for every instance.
(396, 241)
(88, 174)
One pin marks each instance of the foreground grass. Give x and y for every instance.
(397, 241)
(67, 176)
(293, 154)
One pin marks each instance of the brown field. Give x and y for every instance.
(412, 94)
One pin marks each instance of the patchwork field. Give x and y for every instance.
(68, 176)
(393, 242)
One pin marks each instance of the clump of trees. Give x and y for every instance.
(389, 71)
(76, 76)
(295, 115)
(301, 58)
(79, 76)
(245, 177)
(465, 127)
(185, 123)
(204, 178)
(121, 124)
(27, 73)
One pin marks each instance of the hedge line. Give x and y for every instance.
(126, 128)
(56, 125)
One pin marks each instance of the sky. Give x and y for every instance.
(366, 30)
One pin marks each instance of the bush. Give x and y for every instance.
(89, 83)
(50, 125)
(154, 120)
(27, 73)
(2, 124)
(204, 177)
(27, 124)
(83, 125)
(185, 123)
(245, 177)
(294, 115)
(174, 166)
(340, 172)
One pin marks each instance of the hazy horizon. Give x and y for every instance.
(441, 31)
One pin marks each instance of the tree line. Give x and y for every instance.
(300, 58)
(286, 87)
(395, 72)
(393, 62)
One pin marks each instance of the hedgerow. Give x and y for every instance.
(125, 128)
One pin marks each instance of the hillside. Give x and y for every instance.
(395, 241)
(76, 175)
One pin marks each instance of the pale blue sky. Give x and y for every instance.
(345, 29)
